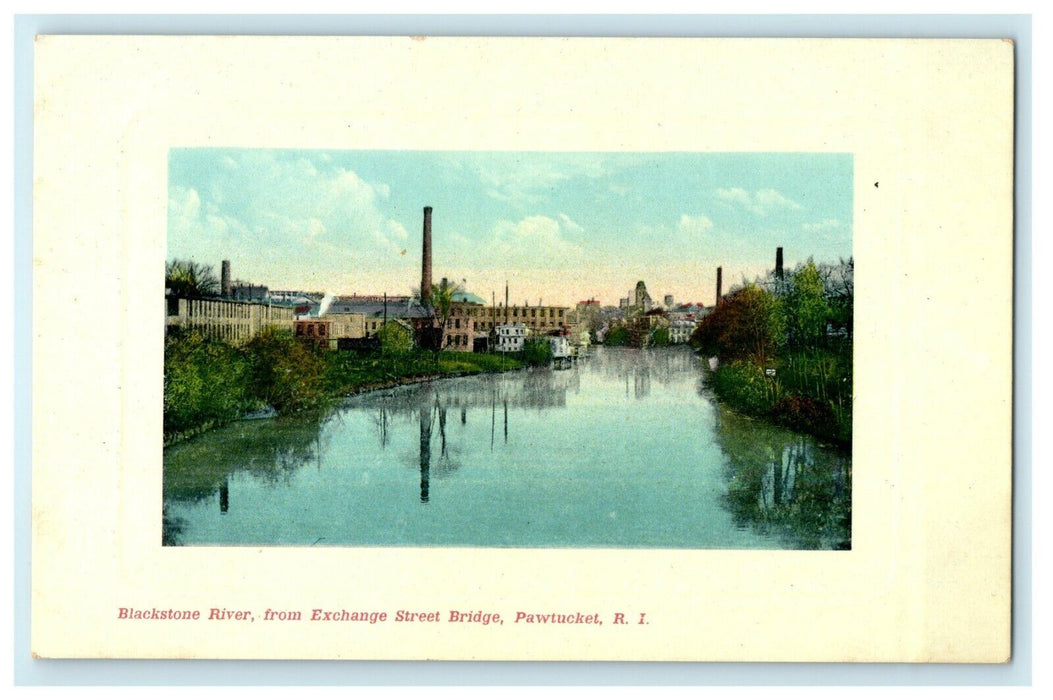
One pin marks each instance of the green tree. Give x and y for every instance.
(807, 309)
(441, 306)
(537, 351)
(286, 373)
(205, 382)
(188, 279)
(839, 286)
(618, 335)
(395, 339)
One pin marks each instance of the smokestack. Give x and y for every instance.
(224, 279)
(720, 273)
(425, 265)
(778, 262)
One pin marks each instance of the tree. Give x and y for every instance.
(394, 339)
(537, 351)
(839, 285)
(190, 280)
(806, 308)
(441, 305)
(617, 335)
(748, 324)
(286, 373)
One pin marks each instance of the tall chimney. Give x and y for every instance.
(778, 262)
(720, 273)
(224, 279)
(425, 265)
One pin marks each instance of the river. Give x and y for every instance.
(626, 449)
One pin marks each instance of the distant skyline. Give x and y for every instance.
(559, 227)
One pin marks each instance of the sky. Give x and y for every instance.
(558, 227)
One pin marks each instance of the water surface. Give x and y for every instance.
(627, 449)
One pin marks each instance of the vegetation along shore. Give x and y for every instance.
(209, 382)
(783, 349)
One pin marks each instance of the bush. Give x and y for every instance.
(804, 414)
(395, 339)
(745, 386)
(206, 382)
(537, 351)
(286, 373)
(617, 336)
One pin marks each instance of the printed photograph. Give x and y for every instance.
(508, 349)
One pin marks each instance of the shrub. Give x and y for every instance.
(395, 339)
(286, 373)
(745, 386)
(205, 382)
(804, 414)
(619, 335)
(537, 351)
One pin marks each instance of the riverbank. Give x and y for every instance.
(209, 383)
(350, 373)
(810, 392)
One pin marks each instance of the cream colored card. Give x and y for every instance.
(929, 125)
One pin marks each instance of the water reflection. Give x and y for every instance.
(622, 450)
(198, 470)
(425, 453)
(784, 483)
(269, 450)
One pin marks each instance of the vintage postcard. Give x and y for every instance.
(522, 349)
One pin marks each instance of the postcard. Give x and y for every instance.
(522, 349)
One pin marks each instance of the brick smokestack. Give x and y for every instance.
(778, 262)
(224, 279)
(425, 265)
(720, 273)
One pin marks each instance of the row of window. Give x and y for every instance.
(543, 312)
(489, 325)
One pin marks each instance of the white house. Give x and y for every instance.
(680, 331)
(560, 346)
(510, 337)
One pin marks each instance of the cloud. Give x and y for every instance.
(824, 225)
(523, 185)
(762, 202)
(570, 224)
(526, 179)
(535, 241)
(694, 226)
(256, 204)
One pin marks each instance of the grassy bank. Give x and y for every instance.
(351, 372)
(810, 391)
(209, 383)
